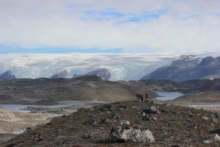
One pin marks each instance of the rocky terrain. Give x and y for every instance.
(130, 123)
(188, 68)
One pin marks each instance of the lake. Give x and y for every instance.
(205, 105)
(165, 96)
(19, 108)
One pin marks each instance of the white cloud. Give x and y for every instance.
(186, 25)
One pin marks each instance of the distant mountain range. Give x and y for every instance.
(188, 68)
(112, 67)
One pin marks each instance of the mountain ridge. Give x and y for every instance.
(188, 69)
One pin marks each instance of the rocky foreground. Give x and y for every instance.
(130, 123)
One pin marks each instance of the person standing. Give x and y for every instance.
(142, 96)
(146, 96)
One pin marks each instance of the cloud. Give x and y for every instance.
(129, 25)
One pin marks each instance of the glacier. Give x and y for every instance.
(121, 66)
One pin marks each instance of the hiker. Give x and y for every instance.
(142, 96)
(146, 96)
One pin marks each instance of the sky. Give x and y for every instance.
(110, 26)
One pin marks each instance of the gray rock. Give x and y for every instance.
(37, 137)
(122, 134)
(124, 122)
(217, 115)
(190, 114)
(89, 121)
(190, 125)
(214, 120)
(212, 116)
(143, 113)
(114, 116)
(151, 109)
(105, 121)
(149, 118)
(28, 129)
(211, 138)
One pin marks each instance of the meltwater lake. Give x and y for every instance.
(165, 96)
(19, 108)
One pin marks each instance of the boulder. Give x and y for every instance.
(124, 122)
(122, 134)
(149, 118)
(205, 118)
(211, 138)
(89, 121)
(105, 121)
(28, 129)
(114, 116)
(37, 137)
(151, 109)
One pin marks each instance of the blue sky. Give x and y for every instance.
(16, 49)
(109, 26)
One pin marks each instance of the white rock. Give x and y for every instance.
(211, 138)
(204, 118)
(124, 122)
(119, 134)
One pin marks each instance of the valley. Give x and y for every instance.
(96, 92)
